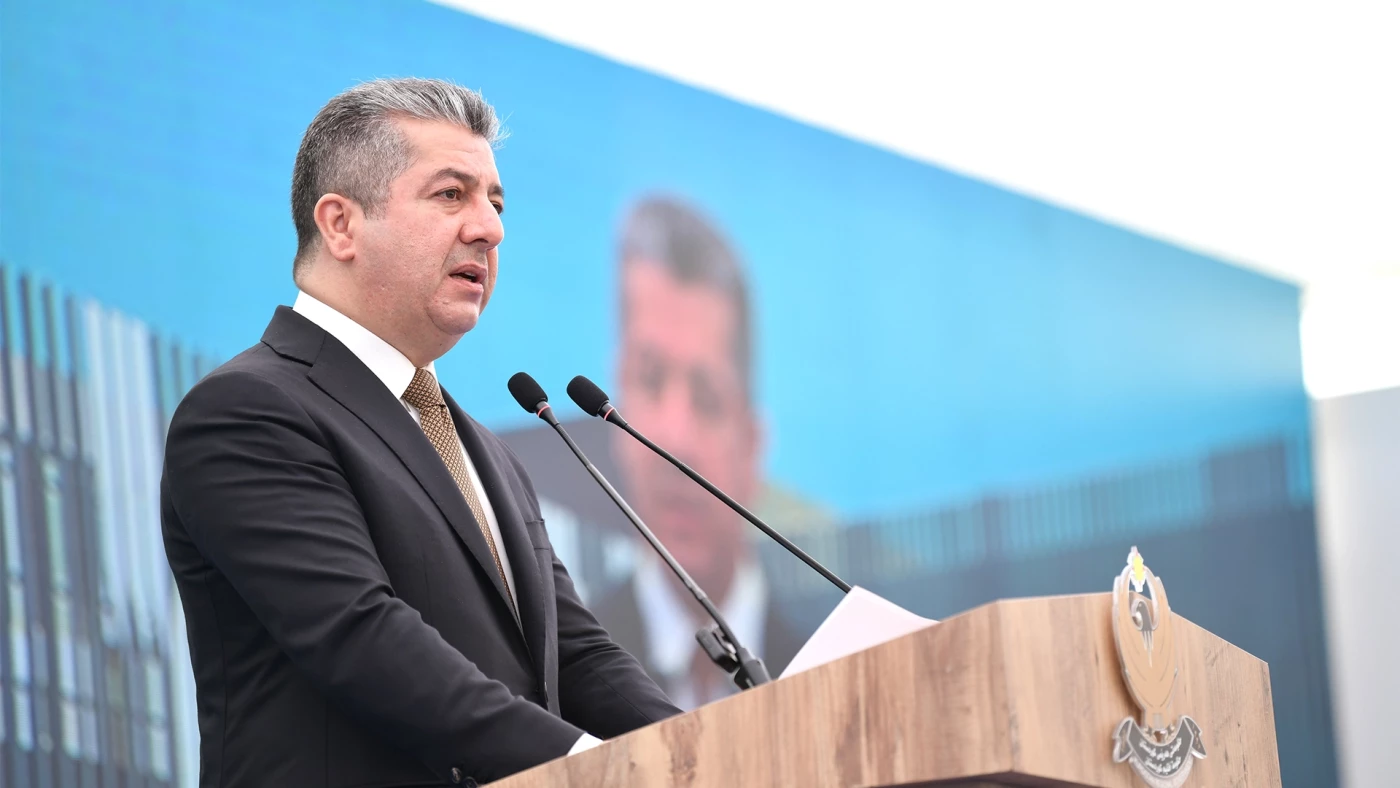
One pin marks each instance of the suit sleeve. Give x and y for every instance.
(602, 688)
(261, 495)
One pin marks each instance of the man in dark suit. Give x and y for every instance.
(685, 379)
(370, 591)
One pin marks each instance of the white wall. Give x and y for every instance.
(1357, 445)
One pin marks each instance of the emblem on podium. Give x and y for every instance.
(1159, 749)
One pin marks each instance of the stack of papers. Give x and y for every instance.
(862, 619)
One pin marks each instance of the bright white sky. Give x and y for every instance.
(1264, 134)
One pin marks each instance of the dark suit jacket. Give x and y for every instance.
(347, 625)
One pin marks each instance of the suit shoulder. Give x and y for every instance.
(256, 377)
(261, 360)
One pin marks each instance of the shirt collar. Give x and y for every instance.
(383, 359)
(670, 631)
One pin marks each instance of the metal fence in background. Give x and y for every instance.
(1115, 508)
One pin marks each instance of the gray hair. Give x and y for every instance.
(676, 236)
(354, 148)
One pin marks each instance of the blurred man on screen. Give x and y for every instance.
(685, 380)
(370, 591)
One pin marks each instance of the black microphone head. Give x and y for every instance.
(586, 394)
(527, 392)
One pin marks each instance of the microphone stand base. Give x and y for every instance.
(747, 670)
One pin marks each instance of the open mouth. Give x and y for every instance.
(467, 275)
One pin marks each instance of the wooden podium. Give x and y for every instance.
(1024, 692)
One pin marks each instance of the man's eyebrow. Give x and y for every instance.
(453, 172)
(494, 190)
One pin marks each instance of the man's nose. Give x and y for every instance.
(675, 427)
(482, 226)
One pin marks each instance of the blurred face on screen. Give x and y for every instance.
(681, 386)
(424, 265)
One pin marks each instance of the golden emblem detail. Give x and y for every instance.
(1160, 750)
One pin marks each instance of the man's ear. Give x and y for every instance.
(340, 220)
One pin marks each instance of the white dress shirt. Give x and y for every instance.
(395, 371)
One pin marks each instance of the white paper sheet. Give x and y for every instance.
(861, 620)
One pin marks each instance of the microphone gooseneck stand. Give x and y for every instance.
(594, 401)
(719, 642)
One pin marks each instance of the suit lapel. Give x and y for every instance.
(529, 587)
(336, 371)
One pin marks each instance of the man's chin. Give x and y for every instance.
(458, 320)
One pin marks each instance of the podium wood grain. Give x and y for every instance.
(1019, 692)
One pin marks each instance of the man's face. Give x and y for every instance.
(682, 388)
(427, 260)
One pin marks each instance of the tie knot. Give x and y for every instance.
(423, 391)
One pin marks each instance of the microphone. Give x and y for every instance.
(720, 642)
(586, 394)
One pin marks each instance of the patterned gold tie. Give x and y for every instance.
(425, 395)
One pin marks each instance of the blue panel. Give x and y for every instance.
(1021, 342)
